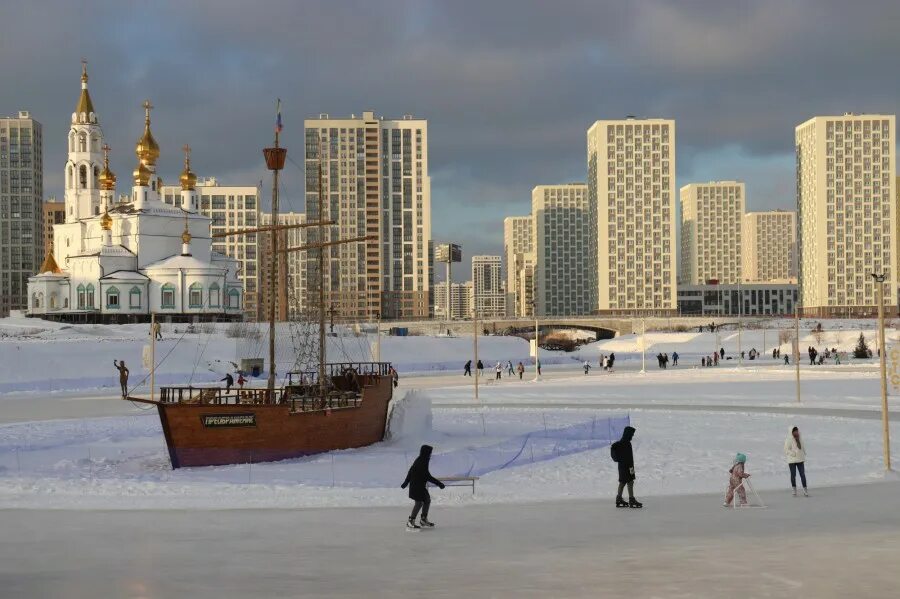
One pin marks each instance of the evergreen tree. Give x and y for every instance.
(862, 348)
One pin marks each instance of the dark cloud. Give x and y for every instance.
(509, 88)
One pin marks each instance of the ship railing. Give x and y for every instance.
(335, 369)
(220, 396)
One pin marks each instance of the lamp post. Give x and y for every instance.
(643, 345)
(886, 432)
(537, 341)
(740, 322)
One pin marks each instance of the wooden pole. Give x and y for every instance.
(475, 337)
(273, 275)
(321, 229)
(267, 228)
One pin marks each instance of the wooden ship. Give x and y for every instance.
(336, 406)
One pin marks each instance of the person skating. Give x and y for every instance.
(229, 381)
(509, 368)
(786, 360)
(467, 369)
(539, 367)
(674, 358)
(241, 380)
(587, 367)
(479, 366)
(721, 353)
(123, 376)
(520, 368)
(612, 360)
(499, 370)
(736, 476)
(623, 455)
(417, 479)
(795, 452)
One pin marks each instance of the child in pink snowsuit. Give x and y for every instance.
(736, 477)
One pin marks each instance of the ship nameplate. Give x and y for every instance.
(228, 420)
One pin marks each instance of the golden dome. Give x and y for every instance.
(84, 101)
(49, 264)
(107, 177)
(141, 174)
(188, 178)
(106, 221)
(147, 149)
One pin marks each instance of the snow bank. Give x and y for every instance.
(410, 417)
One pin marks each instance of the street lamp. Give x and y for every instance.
(886, 433)
(537, 341)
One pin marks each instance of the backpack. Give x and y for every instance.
(614, 451)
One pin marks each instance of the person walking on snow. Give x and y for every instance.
(480, 368)
(509, 368)
(241, 380)
(467, 369)
(674, 358)
(612, 360)
(416, 479)
(229, 381)
(736, 476)
(587, 367)
(123, 376)
(539, 367)
(623, 455)
(157, 331)
(795, 453)
(721, 353)
(499, 370)
(521, 370)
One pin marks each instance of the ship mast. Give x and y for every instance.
(274, 162)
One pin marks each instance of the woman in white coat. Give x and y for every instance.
(795, 452)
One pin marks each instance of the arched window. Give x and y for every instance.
(35, 302)
(214, 296)
(82, 142)
(53, 301)
(167, 296)
(233, 301)
(82, 177)
(96, 177)
(195, 295)
(134, 298)
(65, 302)
(81, 297)
(69, 178)
(89, 296)
(112, 298)
(95, 143)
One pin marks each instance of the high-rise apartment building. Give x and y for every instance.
(295, 266)
(770, 243)
(54, 214)
(711, 223)
(231, 208)
(21, 216)
(518, 248)
(846, 213)
(460, 300)
(375, 180)
(631, 185)
(565, 270)
(488, 298)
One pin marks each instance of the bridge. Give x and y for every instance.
(605, 327)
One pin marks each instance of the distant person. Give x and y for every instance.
(786, 360)
(736, 476)
(587, 367)
(716, 359)
(612, 360)
(605, 363)
(539, 367)
(509, 368)
(703, 362)
(722, 352)
(795, 452)
(665, 360)
(623, 455)
(480, 368)
(774, 353)
(467, 369)
(157, 331)
(520, 368)
(416, 479)
(659, 359)
(241, 380)
(123, 376)
(499, 370)
(674, 358)
(229, 381)
(395, 376)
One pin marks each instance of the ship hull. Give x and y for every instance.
(215, 435)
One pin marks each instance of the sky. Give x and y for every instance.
(509, 88)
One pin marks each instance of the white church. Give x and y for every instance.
(119, 261)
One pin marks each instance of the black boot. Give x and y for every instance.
(632, 502)
(621, 502)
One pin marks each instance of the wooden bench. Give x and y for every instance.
(459, 481)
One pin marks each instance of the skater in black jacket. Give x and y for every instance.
(417, 479)
(622, 454)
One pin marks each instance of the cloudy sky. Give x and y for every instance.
(509, 88)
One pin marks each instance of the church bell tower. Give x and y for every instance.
(84, 158)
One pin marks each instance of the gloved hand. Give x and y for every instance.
(441, 485)
(631, 471)
(403, 486)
